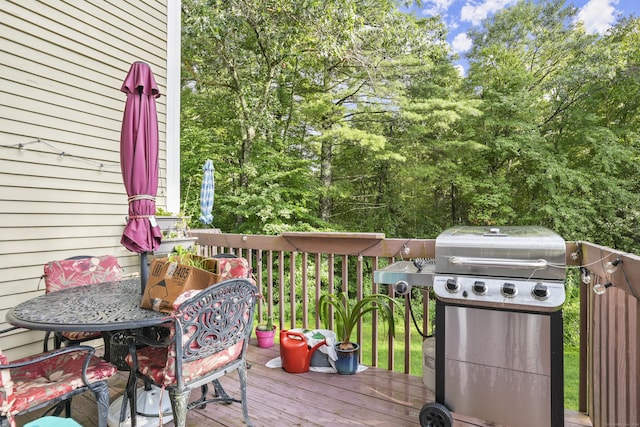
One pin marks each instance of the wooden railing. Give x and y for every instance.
(610, 338)
(294, 269)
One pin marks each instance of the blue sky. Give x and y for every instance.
(459, 15)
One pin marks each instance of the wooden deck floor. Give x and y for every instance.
(374, 397)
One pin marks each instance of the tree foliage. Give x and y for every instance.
(549, 91)
(351, 115)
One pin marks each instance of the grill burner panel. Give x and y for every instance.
(517, 294)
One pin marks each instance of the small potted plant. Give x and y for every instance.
(347, 313)
(173, 226)
(175, 231)
(265, 332)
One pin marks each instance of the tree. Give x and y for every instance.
(554, 155)
(237, 55)
(351, 115)
(292, 75)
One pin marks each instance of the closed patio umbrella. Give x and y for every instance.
(206, 193)
(139, 163)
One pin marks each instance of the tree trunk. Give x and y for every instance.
(325, 179)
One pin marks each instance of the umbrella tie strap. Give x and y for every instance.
(141, 197)
(140, 216)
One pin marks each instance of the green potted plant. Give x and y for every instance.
(172, 225)
(347, 313)
(175, 231)
(265, 332)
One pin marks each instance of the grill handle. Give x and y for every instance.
(498, 262)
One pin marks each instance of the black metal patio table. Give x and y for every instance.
(103, 307)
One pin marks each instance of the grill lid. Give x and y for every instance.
(532, 252)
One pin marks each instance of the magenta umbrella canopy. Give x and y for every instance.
(139, 158)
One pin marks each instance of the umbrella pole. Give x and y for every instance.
(144, 271)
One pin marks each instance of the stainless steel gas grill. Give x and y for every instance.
(498, 330)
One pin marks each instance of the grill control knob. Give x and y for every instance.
(479, 287)
(452, 285)
(509, 290)
(402, 288)
(540, 291)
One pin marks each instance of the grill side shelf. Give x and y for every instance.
(405, 271)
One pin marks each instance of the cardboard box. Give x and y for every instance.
(169, 278)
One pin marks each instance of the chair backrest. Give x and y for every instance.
(80, 271)
(212, 321)
(231, 266)
(7, 397)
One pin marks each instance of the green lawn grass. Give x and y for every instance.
(571, 377)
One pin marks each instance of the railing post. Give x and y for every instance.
(281, 295)
(374, 319)
(318, 265)
(305, 292)
(330, 288)
(292, 289)
(584, 337)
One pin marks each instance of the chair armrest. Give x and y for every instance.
(90, 351)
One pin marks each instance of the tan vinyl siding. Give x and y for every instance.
(61, 67)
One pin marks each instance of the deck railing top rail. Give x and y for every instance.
(338, 243)
(578, 254)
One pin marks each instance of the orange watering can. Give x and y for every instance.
(294, 351)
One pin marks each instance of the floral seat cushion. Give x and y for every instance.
(69, 273)
(25, 387)
(158, 363)
(80, 335)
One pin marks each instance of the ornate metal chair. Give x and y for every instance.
(78, 271)
(208, 339)
(49, 378)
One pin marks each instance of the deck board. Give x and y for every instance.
(374, 397)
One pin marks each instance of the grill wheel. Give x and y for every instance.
(434, 414)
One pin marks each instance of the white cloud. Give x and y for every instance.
(598, 15)
(475, 12)
(436, 7)
(461, 43)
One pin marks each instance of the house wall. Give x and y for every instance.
(61, 68)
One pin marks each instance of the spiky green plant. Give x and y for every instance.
(348, 312)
